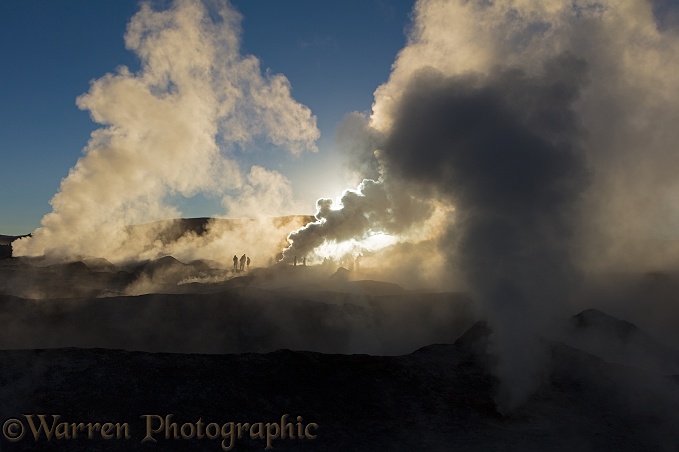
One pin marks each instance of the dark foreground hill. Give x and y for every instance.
(439, 398)
(607, 384)
(91, 305)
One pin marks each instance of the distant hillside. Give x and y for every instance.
(8, 239)
(619, 341)
(168, 231)
(6, 244)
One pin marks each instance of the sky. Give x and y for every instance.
(334, 55)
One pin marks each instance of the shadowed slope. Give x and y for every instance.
(438, 398)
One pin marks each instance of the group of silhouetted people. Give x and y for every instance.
(240, 264)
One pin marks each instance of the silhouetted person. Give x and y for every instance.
(295, 262)
(242, 262)
(358, 262)
(235, 262)
(247, 262)
(304, 261)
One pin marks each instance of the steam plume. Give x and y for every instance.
(169, 129)
(374, 207)
(549, 128)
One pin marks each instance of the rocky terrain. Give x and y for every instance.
(367, 365)
(437, 398)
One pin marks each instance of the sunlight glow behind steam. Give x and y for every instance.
(351, 249)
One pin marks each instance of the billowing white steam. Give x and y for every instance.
(628, 107)
(169, 129)
(550, 128)
(266, 193)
